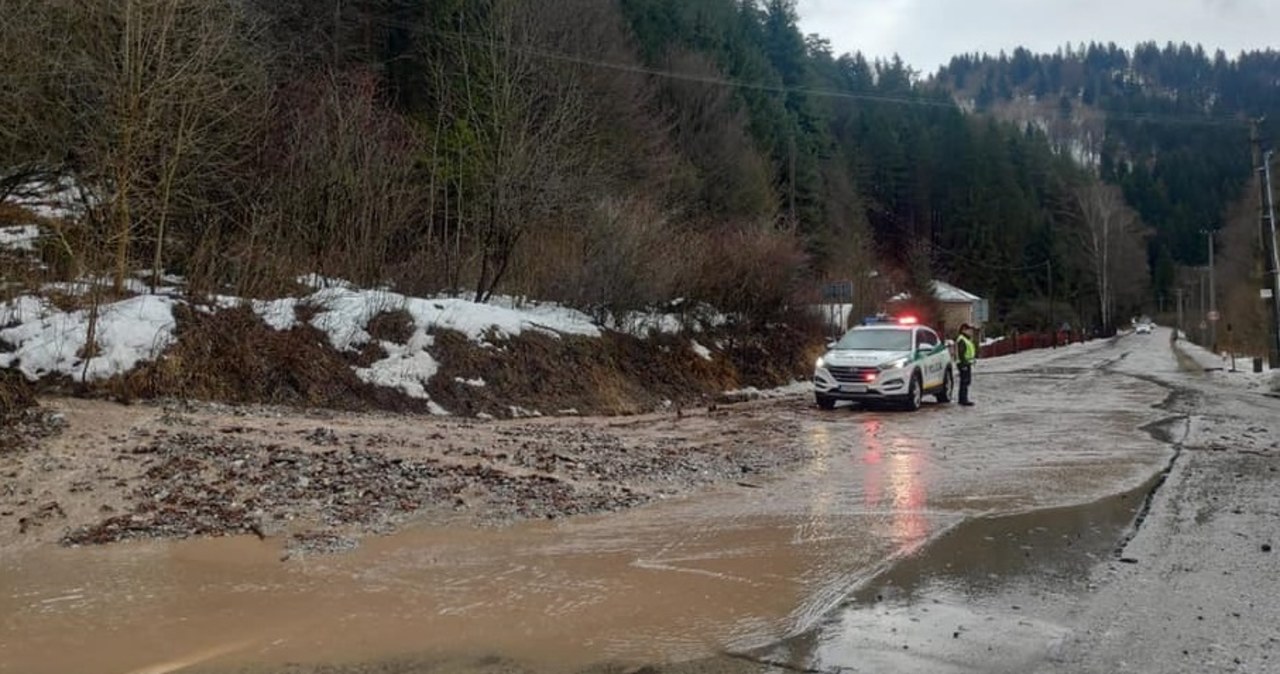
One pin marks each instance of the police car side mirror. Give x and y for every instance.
(831, 345)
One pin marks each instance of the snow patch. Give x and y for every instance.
(86, 286)
(19, 237)
(58, 201)
(688, 318)
(702, 351)
(407, 367)
(278, 314)
(318, 282)
(477, 382)
(752, 393)
(1218, 367)
(49, 341)
(518, 412)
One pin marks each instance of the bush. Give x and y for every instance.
(752, 273)
(15, 395)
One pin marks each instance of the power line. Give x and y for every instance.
(781, 89)
(478, 40)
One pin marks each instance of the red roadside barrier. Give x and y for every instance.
(1019, 342)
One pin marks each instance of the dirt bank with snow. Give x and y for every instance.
(336, 346)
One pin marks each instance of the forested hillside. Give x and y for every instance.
(610, 154)
(1169, 125)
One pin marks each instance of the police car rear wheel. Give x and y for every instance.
(948, 385)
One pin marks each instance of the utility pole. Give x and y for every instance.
(1200, 308)
(1181, 326)
(1273, 262)
(1053, 327)
(1268, 235)
(1213, 303)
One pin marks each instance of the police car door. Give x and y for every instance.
(930, 351)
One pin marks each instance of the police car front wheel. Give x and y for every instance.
(915, 394)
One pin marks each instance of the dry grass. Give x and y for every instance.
(15, 395)
(391, 326)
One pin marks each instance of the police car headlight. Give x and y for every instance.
(894, 364)
(821, 363)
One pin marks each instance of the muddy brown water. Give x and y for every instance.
(731, 569)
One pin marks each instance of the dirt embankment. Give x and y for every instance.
(231, 356)
(22, 421)
(324, 479)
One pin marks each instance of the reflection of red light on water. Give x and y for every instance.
(910, 524)
(873, 471)
(895, 478)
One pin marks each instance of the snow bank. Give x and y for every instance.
(19, 237)
(343, 313)
(47, 341)
(58, 201)
(40, 340)
(1218, 367)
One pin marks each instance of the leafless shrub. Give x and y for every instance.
(751, 272)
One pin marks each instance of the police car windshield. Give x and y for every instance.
(875, 340)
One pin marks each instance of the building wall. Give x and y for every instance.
(956, 314)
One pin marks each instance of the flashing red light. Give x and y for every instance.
(869, 376)
(908, 320)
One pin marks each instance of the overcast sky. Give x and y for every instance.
(927, 33)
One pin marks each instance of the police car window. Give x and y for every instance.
(926, 338)
(876, 340)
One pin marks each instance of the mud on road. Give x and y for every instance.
(324, 480)
(717, 580)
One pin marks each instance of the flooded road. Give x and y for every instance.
(781, 563)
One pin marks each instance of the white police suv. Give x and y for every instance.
(898, 362)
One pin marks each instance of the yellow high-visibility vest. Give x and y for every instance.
(968, 351)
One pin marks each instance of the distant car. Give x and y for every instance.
(895, 362)
(1142, 329)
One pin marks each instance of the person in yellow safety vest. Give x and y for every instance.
(966, 354)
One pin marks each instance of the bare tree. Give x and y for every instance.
(166, 87)
(343, 170)
(520, 134)
(1110, 235)
(36, 117)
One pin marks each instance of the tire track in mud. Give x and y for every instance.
(1178, 399)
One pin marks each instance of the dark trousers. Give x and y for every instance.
(966, 378)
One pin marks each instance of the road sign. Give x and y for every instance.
(981, 311)
(840, 291)
(1213, 316)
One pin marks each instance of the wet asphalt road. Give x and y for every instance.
(947, 540)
